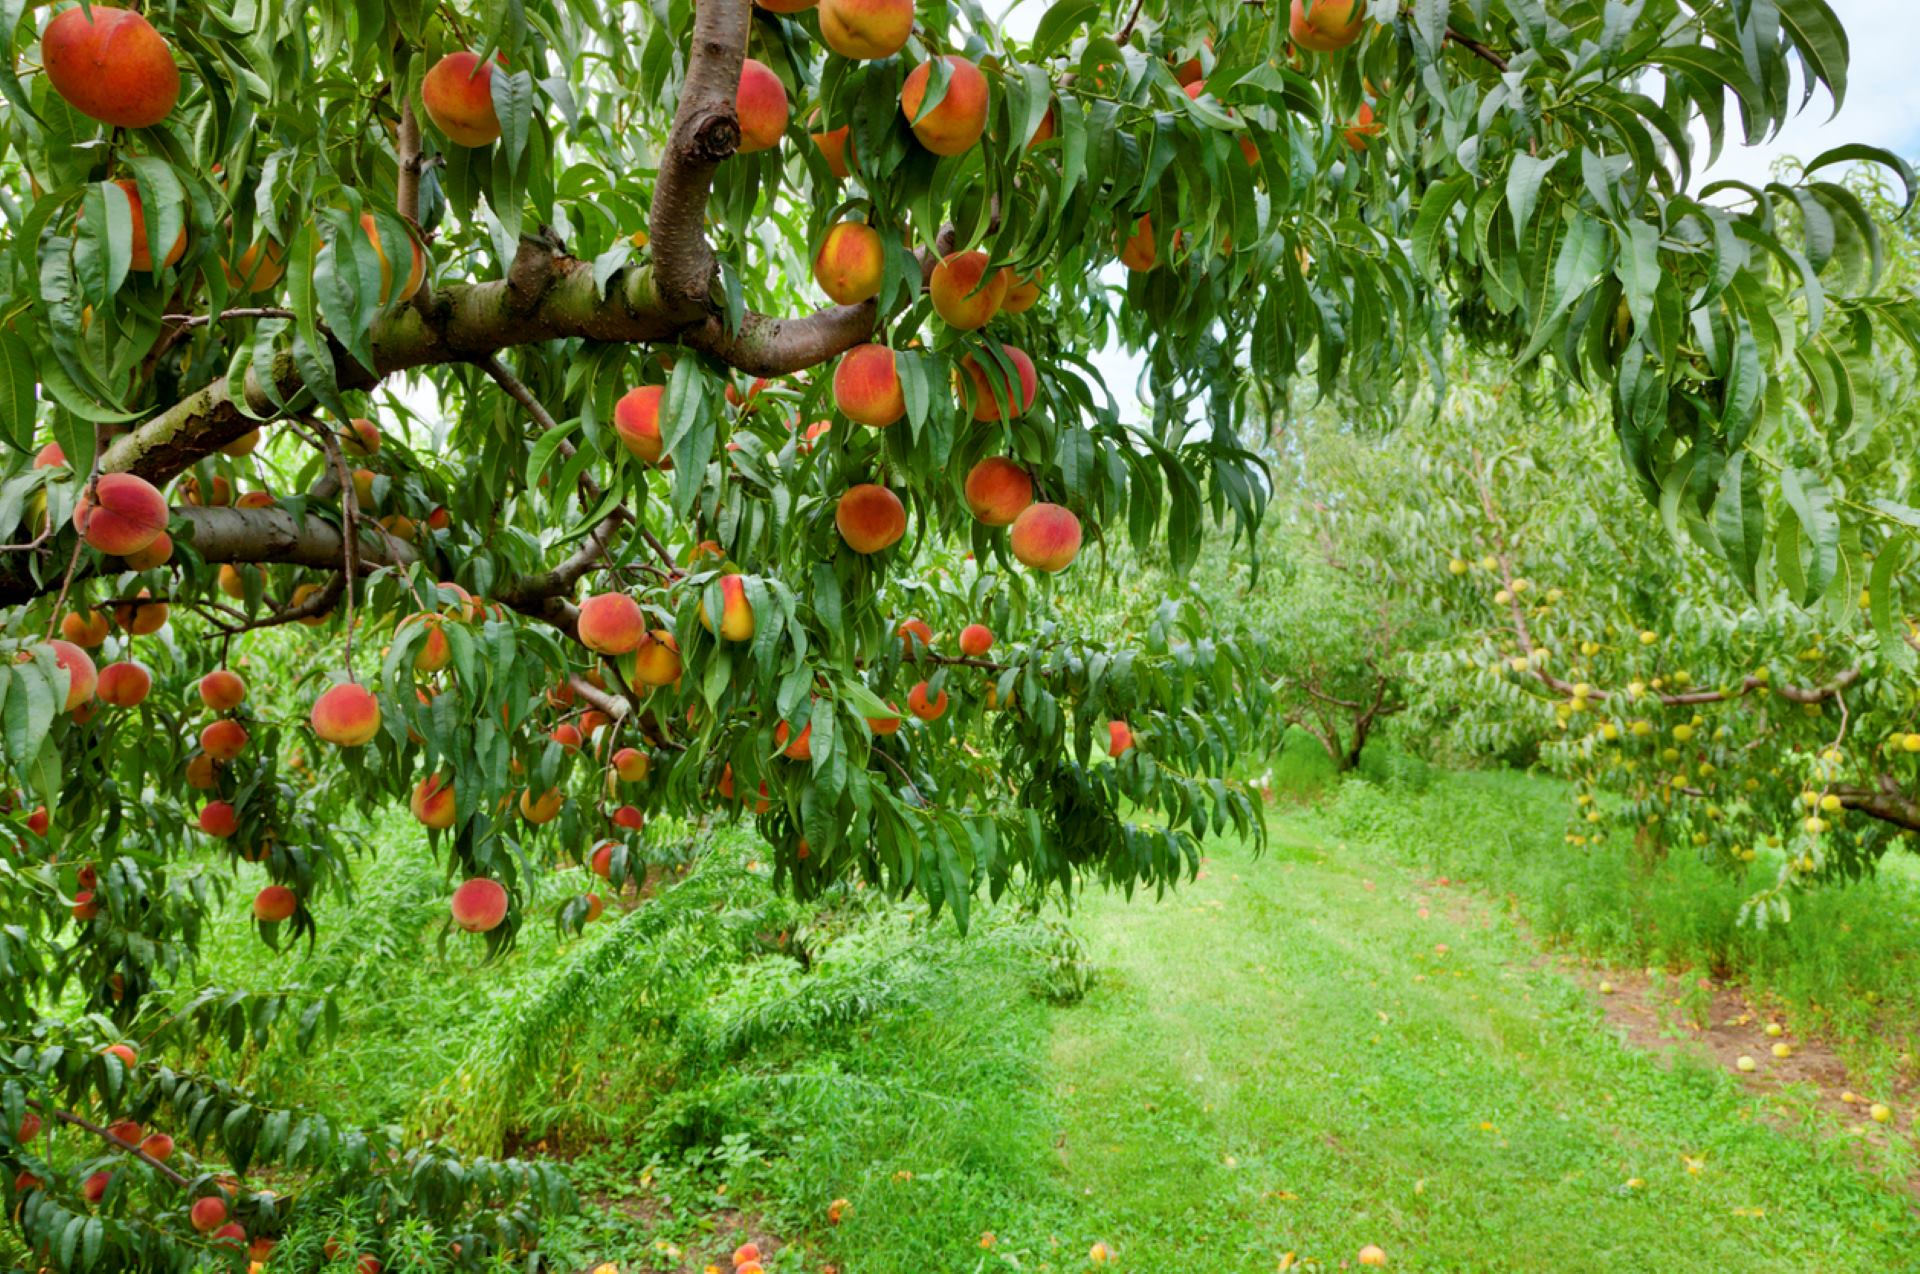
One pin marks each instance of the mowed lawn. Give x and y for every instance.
(1289, 1057)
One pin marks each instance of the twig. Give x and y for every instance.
(244, 312)
(1478, 49)
(37, 541)
(1126, 32)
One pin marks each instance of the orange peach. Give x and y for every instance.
(595, 907)
(736, 612)
(1046, 537)
(543, 808)
(82, 678)
(219, 492)
(85, 907)
(955, 125)
(201, 774)
(346, 715)
(798, 747)
(611, 624)
(887, 724)
(925, 707)
(761, 105)
(122, 514)
(1330, 27)
(568, 736)
(304, 593)
(479, 905)
(157, 1146)
(1045, 130)
(111, 66)
(222, 690)
(600, 862)
(458, 95)
(84, 628)
(360, 439)
(156, 554)
(910, 631)
(51, 456)
(141, 618)
(272, 905)
(836, 147)
(415, 276)
(1364, 126)
(141, 257)
(975, 640)
(124, 1052)
(258, 269)
(866, 29)
(1119, 737)
(124, 684)
(866, 386)
(1023, 292)
(233, 582)
(636, 418)
(631, 764)
(656, 660)
(432, 802)
(244, 445)
(223, 740)
(965, 292)
(851, 263)
(870, 518)
(998, 490)
(629, 817)
(219, 820)
(1140, 254)
(990, 395)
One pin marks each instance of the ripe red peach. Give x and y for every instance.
(629, 817)
(998, 490)
(1140, 254)
(124, 684)
(870, 518)
(346, 715)
(458, 95)
(201, 774)
(415, 276)
(568, 736)
(82, 678)
(51, 456)
(986, 398)
(866, 29)
(122, 514)
(611, 624)
(157, 1146)
(85, 906)
(600, 862)
(275, 903)
(219, 820)
(125, 1052)
(836, 148)
(976, 640)
(543, 808)
(636, 418)
(222, 690)
(887, 724)
(797, 747)
(736, 612)
(94, 1188)
(360, 439)
(479, 905)
(952, 127)
(851, 263)
(432, 802)
(965, 292)
(927, 709)
(1046, 537)
(141, 255)
(111, 66)
(761, 105)
(656, 661)
(1119, 737)
(224, 740)
(866, 386)
(208, 1214)
(631, 764)
(595, 907)
(912, 630)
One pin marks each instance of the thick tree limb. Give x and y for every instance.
(706, 132)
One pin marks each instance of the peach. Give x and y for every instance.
(1190, 70)
(1247, 148)
(866, 386)
(1364, 125)
(126, 1130)
(611, 624)
(111, 66)
(122, 514)
(201, 774)
(975, 640)
(273, 904)
(94, 1188)
(1139, 253)
(232, 581)
(851, 263)
(866, 29)
(232, 1234)
(124, 684)
(1332, 26)
(415, 276)
(360, 439)
(84, 627)
(1119, 737)
(39, 821)
(85, 906)
(208, 1214)
(432, 802)
(156, 554)
(800, 748)
(458, 95)
(927, 709)
(141, 257)
(158, 1146)
(836, 147)
(222, 690)
(631, 764)
(29, 1128)
(260, 267)
(224, 740)
(543, 808)
(1045, 130)
(1046, 537)
(965, 292)
(600, 862)
(346, 715)
(81, 675)
(656, 661)
(124, 1052)
(244, 445)
(479, 905)
(736, 612)
(51, 456)
(636, 418)
(593, 720)
(304, 593)
(989, 395)
(952, 127)
(870, 518)
(885, 725)
(909, 632)
(595, 907)
(761, 105)
(568, 736)
(1023, 293)
(141, 618)
(997, 490)
(439, 519)
(629, 817)
(746, 1252)
(219, 820)
(363, 488)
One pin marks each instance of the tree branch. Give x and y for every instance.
(407, 187)
(68, 1117)
(706, 132)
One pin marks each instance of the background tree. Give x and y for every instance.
(613, 572)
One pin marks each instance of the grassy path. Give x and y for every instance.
(1290, 1057)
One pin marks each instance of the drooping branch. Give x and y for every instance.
(86, 1125)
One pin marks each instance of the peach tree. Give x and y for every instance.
(653, 413)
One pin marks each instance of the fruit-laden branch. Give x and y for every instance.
(706, 131)
(1888, 804)
(68, 1117)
